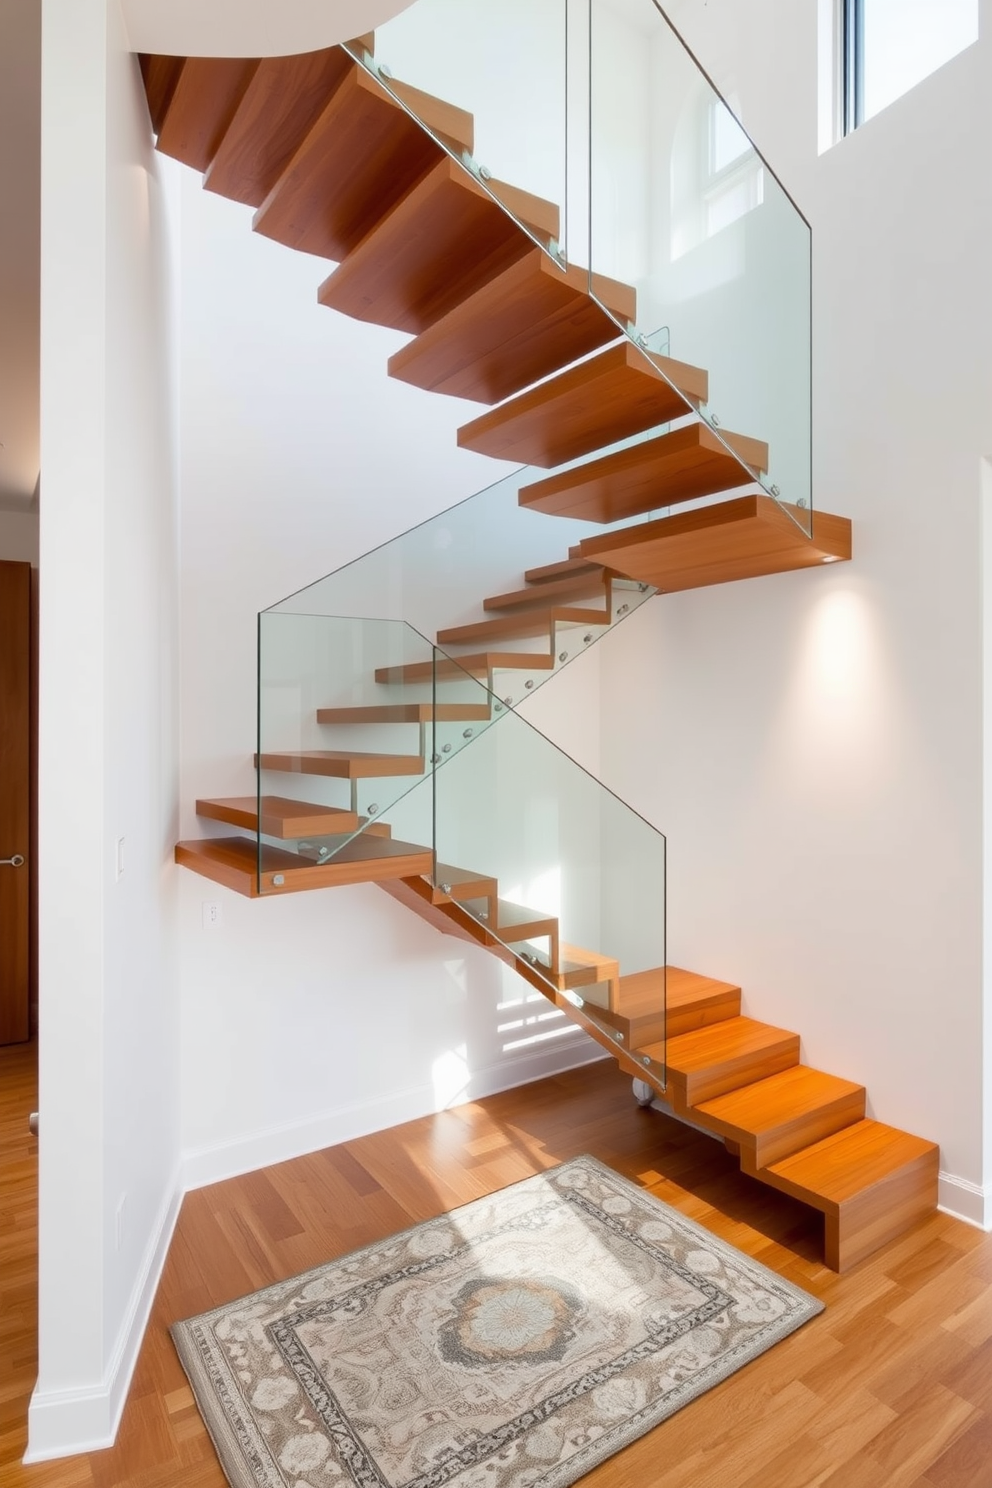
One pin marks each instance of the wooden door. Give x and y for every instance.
(15, 796)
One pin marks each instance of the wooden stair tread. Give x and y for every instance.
(548, 573)
(620, 392)
(669, 1001)
(342, 764)
(682, 465)
(454, 882)
(160, 76)
(709, 1061)
(477, 665)
(526, 323)
(361, 156)
(847, 1163)
(283, 100)
(440, 243)
(589, 584)
(233, 861)
(746, 538)
(538, 621)
(282, 817)
(407, 713)
(579, 967)
(775, 1117)
(205, 95)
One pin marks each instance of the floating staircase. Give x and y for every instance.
(378, 178)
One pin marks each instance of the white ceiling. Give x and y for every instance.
(250, 28)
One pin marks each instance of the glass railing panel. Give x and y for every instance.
(576, 879)
(683, 208)
(345, 728)
(437, 575)
(504, 63)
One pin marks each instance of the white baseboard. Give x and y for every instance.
(965, 1200)
(63, 1423)
(205, 1165)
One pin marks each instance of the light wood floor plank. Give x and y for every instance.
(891, 1387)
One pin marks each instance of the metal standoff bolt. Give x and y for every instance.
(385, 71)
(485, 173)
(435, 759)
(445, 888)
(17, 861)
(646, 1060)
(468, 733)
(618, 1035)
(623, 609)
(643, 588)
(714, 421)
(483, 914)
(528, 684)
(801, 501)
(587, 638)
(445, 748)
(278, 879)
(498, 708)
(776, 491)
(373, 809)
(562, 656)
(642, 340)
(508, 701)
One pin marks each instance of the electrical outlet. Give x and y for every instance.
(211, 915)
(119, 1221)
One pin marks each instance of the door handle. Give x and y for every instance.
(17, 861)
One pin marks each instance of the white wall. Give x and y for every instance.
(108, 732)
(812, 743)
(19, 536)
(312, 1018)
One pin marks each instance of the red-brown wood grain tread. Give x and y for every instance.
(843, 1166)
(440, 243)
(746, 538)
(407, 713)
(773, 1118)
(478, 664)
(722, 1056)
(682, 465)
(617, 393)
(592, 583)
(526, 323)
(282, 817)
(538, 621)
(233, 862)
(341, 764)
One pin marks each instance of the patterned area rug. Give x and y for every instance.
(513, 1343)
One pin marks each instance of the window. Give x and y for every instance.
(734, 180)
(888, 46)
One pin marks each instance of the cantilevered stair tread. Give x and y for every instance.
(591, 583)
(526, 323)
(550, 573)
(233, 861)
(461, 884)
(871, 1181)
(679, 466)
(746, 538)
(363, 154)
(539, 621)
(579, 967)
(668, 1001)
(204, 98)
(160, 76)
(283, 101)
(282, 817)
(445, 239)
(342, 764)
(407, 713)
(619, 392)
(479, 664)
(773, 1118)
(723, 1056)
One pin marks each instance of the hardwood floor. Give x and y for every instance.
(891, 1387)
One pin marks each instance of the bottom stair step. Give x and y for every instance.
(233, 862)
(870, 1181)
(775, 1117)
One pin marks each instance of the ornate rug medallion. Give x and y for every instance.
(513, 1343)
